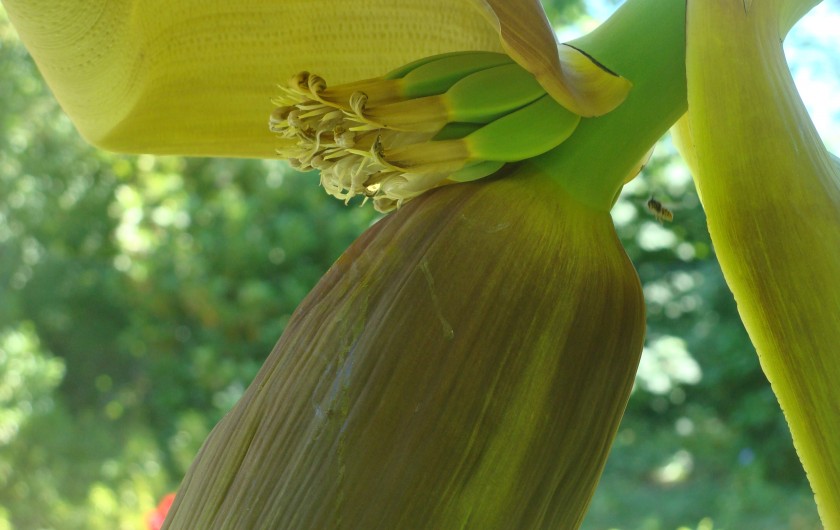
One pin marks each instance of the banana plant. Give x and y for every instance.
(466, 362)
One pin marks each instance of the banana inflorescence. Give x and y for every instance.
(449, 118)
(464, 365)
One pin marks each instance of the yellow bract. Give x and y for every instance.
(195, 77)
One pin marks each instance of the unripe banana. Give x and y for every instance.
(464, 365)
(440, 120)
(475, 171)
(456, 130)
(525, 133)
(480, 97)
(438, 75)
(489, 94)
(401, 71)
(522, 134)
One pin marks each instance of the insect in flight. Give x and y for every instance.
(660, 212)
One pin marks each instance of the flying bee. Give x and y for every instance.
(660, 212)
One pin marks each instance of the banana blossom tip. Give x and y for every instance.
(449, 365)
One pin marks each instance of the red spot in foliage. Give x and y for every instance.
(158, 515)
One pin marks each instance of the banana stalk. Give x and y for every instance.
(464, 364)
(771, 193)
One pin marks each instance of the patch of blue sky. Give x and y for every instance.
(813, 51)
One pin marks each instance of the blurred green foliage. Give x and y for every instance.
(141, 294)
(564, 12)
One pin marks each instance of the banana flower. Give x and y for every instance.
(771, 192)
(466, 362)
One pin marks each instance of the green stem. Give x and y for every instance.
(643, 41)
(771, 193)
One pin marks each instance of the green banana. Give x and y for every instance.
(437, 76)
(455, 130)
(475, 171)
(479, 97)
(524, 133)
(401, 71)
(489, 94)
(450, 118)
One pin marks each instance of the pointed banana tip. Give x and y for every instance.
(593, 87)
